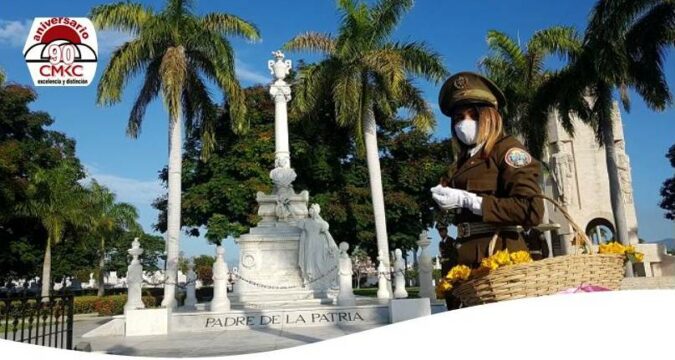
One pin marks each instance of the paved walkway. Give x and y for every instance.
(207, 343)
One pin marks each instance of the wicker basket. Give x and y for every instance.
(544, 277)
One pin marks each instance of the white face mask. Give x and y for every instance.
(466, 131)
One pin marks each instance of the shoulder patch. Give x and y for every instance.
(517, 157)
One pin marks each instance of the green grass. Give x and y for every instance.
(413, 292)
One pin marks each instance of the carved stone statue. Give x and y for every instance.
(220, 302)
(399, 275)
(318, 253)
(134, 278)
(383, 277)
(623, 165)
(346, 295)
(563, 169)
(191, 279)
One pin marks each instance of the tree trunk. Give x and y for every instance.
(375, 174)
(47, 268)
(618, 209)
(101, 266)
(173, 212)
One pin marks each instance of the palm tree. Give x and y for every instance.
(623, 47)
(363, 73)
(519, 71)
(176, 50)
(55, 198)
(108, 217)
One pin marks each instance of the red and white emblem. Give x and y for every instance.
(61, 51)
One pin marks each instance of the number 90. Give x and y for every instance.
(64, 53)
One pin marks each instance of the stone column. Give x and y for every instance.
(191, 293)
(346, 295)
(399, 275)
(282, 175)
(220, 301)
(426, 268)
(134, 278)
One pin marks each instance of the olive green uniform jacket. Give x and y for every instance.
(506, 179)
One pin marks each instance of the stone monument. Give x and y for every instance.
(288, 256)
(383, 276)
(134, 278)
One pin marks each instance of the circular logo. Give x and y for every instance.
(460, 82)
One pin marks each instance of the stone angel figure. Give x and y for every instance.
(318, 252)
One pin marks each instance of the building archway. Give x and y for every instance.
(600, 230)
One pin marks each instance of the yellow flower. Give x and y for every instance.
(457, 273)
(520, 257)
(489, 263)
(630, 249)
(639, 257)
(502, 257)
(612, 248)
(442, 288)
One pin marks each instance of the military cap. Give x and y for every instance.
(468, 88)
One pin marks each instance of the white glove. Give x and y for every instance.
(450, 198)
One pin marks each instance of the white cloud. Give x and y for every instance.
(13, 32)
(134, 191)
(245, 73)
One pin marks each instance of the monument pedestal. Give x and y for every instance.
(268, 271)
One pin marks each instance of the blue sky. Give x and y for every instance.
(455, 29)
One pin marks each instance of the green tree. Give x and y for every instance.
(519, 71)
(107, 217)
(55, 198)
(367, 76)
(175, 49)
(623, 47)
(668, 189)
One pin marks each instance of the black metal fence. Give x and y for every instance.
(46, 321)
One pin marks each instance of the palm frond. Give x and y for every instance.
(313, 42)
(386, 15)
(124, 63)
(504, 46)
(227, 24)
(122, 16)
(418, 59)
(646, 43)
(149, 90)
(422, 115)
(561, 40)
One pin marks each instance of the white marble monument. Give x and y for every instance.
(288, 256)
(190, 286)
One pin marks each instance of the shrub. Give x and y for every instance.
(107, 305)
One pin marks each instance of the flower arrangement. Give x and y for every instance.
(461, 273)
(629, 251)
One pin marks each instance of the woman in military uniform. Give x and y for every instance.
(490, 187)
